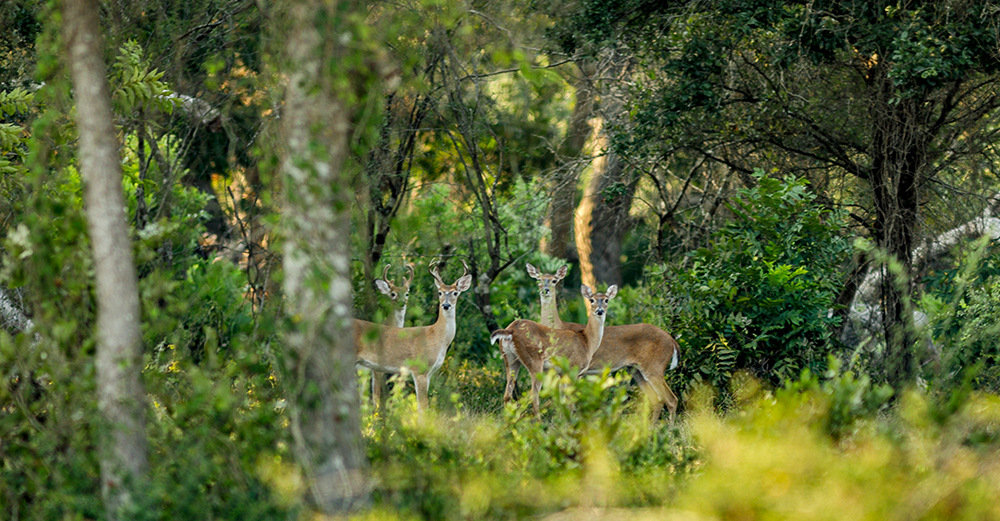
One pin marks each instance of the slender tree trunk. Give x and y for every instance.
(325, 416)
(120, 395)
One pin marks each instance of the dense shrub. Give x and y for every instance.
(962, 299)
(759, 297)
(511, 465)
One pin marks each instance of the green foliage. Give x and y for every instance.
(815, 449)
(759, 297)
(962, 300)
(17, 100)
(136, 86)
(843, 397)
(207, 369)
(772, 459)
(968, 335)
(488, 466)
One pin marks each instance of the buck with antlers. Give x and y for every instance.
(532, 345)
(421, 350)
(398, 297)
(644, 348)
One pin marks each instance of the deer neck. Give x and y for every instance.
(399, 316)
(445, 324)
(594, 332)
(550, 312)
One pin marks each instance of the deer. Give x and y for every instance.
(420, 350)
(528, 343)
(644, 348)
(398, 297)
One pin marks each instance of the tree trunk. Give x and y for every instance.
(325, 416)
(120, 394)
(564, 181)
(610, 220)
(604, 212)
(899, 145)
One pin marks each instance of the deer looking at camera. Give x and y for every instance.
(398, 297)
(532, 345)
(421, 350)
(644, 348)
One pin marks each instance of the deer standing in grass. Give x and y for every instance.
(644, 348)
(398, 296)
(532, 345)
(421, 350)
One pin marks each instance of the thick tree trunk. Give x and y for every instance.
(899, 146)
(325, 416)
(609, 222)
(120, 395)
(564, 180)
(608, 198)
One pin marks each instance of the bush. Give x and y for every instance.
(511, 465)
(965, 313)
(759, 298)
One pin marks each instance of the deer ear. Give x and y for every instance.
(585, 291)
(383, 286)
(532, 271)
(612, 291)
(464, 283)
(561, 272)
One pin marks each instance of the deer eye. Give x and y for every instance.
(591, 301)
(407, 294)
(394, 294)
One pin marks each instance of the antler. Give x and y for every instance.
(434, 273)
(409, 266)
(385, 273)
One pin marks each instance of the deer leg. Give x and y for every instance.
(379, 383)
(655, 402)
(513, 367)
(666, 396)
(671, 400)
(536, 388)
(422, 384)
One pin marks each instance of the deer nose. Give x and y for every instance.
(600, 312)
(446, 306)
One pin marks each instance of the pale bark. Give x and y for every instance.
(564, 180)
(610, 222)
(865, 316)
(120, 394)
(12, 317)
(604, 211)
(325, 417)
